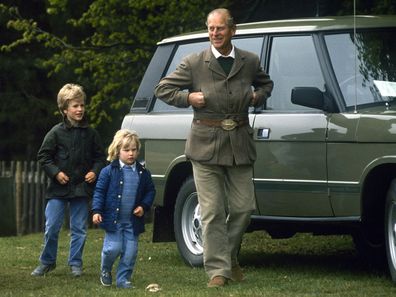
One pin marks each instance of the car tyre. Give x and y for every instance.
(390, 229)
(187, 224)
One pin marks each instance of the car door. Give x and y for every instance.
(290, 173)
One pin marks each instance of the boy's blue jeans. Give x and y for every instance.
(121, 243)
(54, 215)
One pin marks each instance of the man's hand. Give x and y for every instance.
(196, 99)
(253, 102)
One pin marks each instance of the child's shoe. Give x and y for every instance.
(105, 278)
(42, 269)
(125, 285)
(76, 271)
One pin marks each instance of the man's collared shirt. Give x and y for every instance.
(217, 54)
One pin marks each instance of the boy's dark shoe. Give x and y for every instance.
(76, 271)
(43, 269)
(105, 278)
(217, 282)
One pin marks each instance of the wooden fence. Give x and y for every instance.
(22, 209)
(30, 183)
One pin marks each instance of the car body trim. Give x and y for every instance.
(305, 219)
(305, 181)
(295, 26)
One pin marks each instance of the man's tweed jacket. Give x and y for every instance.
(225, 97)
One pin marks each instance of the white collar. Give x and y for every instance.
(217, 54)
(122, 164)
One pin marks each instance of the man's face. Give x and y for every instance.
(220, 33)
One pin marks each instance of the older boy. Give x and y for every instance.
(72, 156)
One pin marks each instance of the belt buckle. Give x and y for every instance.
(228, 124)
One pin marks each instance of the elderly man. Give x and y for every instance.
(220, 145)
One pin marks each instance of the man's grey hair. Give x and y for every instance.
(230, 20)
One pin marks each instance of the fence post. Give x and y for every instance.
(8, 224)
(2, 168)
(25, 211)
(18, 197)
(30, 187)
(37, 198)
(12, 168)
(43, 187)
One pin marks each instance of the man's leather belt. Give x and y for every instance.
(225, 124)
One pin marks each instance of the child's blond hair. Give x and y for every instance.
(69, 92)
(122, 138)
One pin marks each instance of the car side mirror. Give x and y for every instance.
(308, 96)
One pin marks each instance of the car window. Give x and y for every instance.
(182, 51)
(293, 63)
(253, 44)
(367, 74)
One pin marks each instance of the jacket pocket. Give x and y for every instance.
(250, 145)
(62, 158)
(201, 143)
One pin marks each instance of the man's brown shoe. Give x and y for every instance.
(217, 282)
(236, 274)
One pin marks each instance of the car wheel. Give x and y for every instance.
(390, 229)
(187, 224)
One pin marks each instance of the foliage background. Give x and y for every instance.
(105, 45)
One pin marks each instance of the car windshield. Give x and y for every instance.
(367, 74)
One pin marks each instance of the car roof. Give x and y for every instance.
(299, 25)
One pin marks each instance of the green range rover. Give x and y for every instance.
(326, 138)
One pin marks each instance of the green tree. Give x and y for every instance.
(105, 45)
(25, 112)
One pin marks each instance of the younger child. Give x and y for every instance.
(72, 156)
(123, 194)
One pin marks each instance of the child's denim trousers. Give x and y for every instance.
(54, 218)
(122, 243)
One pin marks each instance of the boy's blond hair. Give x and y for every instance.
(69, 92)
(122, 138)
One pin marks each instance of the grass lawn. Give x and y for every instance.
(301, 266)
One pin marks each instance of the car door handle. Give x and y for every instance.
(263, 133)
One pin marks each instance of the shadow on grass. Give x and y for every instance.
(306, 254)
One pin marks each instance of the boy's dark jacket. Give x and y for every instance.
(75, 151)
(108, 194)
